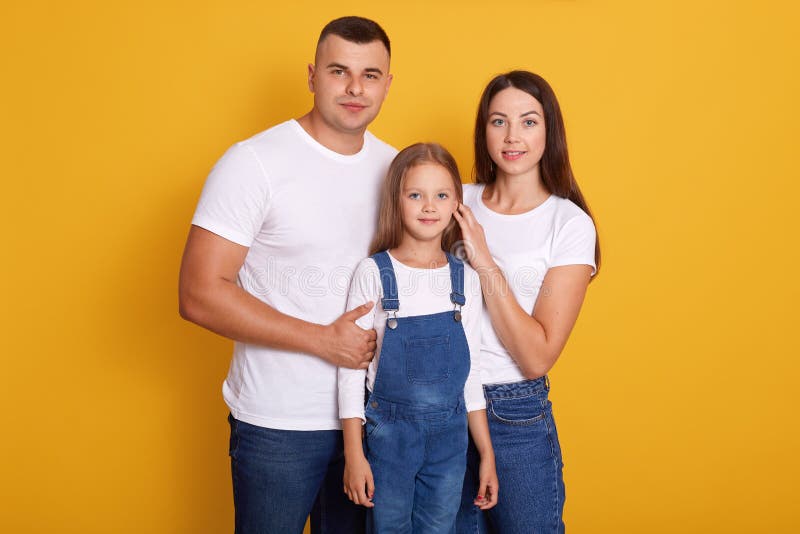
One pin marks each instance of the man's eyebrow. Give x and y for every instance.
(345, 67)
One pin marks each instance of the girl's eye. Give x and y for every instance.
(413, 196)
(444, 196)
(498, 122)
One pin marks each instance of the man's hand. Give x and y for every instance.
(346, 344)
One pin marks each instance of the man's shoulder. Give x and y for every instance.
(380, 146)
(275, 136)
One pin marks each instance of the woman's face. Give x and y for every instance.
(515, 132)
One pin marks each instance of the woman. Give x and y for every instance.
(530, 235)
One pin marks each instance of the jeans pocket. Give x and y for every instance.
(520, 411)
(427, 359)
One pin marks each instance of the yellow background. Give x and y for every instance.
(677, 395)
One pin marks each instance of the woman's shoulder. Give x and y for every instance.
(566, 211)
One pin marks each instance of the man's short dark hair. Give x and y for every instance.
(356, 30)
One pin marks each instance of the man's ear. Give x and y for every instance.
(389, 79)
(311, 77)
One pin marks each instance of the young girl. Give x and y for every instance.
(424, 376)
(528, 210)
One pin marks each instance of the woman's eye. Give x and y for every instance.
(498, 122)
(530, 122)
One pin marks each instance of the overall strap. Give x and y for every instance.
(390, 301)
(456, 280)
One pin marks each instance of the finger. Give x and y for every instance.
(371, 334)
(481, 497)
(490, 498)
(357, 312)
(361, 497)
(370, 490)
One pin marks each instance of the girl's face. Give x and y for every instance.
(515, 133)
(427, 201)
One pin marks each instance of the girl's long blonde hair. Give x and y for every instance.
(390, 223)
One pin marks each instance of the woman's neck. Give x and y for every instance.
(515, 194)
(420, 254)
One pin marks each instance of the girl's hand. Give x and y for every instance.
(474, 239)
(358, 483)
(488, 487)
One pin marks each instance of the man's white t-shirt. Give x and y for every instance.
(421, 292)
(525, 246)
(307, 214)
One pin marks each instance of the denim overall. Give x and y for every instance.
(416, 429)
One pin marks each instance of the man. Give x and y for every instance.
(283, 219)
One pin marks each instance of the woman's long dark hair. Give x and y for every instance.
(556, 172)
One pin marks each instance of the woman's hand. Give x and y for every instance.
(358, 482)
(474, 239)
(488, 486)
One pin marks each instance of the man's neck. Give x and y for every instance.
(340, 142)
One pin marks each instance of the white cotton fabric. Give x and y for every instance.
(307, 214)
(525, 246)
(421, 292)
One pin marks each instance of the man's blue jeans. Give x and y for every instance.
(529, 465)
(280, 476)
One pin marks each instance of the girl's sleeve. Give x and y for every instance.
(363, 288)
(473, 319)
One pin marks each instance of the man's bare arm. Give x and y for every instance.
(209, 297)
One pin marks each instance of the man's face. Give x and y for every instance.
(349, 82)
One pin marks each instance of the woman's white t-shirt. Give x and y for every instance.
(525, 246)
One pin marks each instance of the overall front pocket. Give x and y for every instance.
(427, 359)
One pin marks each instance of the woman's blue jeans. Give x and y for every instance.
(529, 465)
(280, 476)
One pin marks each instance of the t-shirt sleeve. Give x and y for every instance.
(574, 243)
(473, 319)
(235, 197)
(364, 287)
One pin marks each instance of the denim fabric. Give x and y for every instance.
(416, 429)
(529, 465)
(279, 476)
